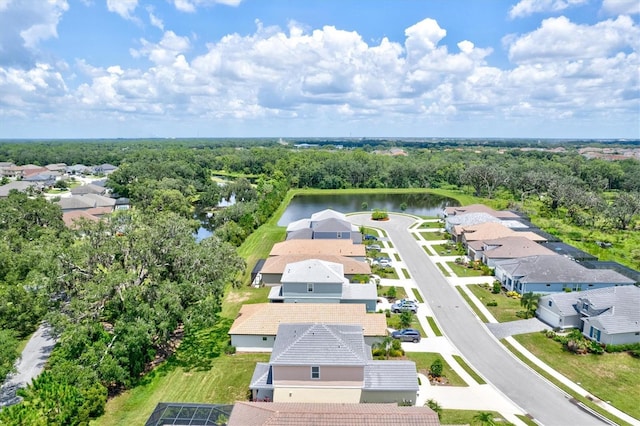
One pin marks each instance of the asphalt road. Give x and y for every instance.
(538, 397)
(31, 363)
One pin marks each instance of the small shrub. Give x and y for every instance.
(514, 294)
(436, 368)
(635, 353)
(549, 333)
(596, 348)
(230, 349)
(387, 313)
(392, 293)
(496, 287)
(492, 303)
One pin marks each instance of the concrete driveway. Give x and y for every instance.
(534, 394)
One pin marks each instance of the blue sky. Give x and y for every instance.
(282, 68)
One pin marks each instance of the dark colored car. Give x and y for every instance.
(407, 335)
(370, 237)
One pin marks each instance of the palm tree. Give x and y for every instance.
(386, 345)
(433, 404)
(484, 418)
(530, 303)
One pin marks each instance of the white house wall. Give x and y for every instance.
(252, 341)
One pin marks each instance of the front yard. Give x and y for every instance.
(507, 306)
(424, 360)
(611, 377)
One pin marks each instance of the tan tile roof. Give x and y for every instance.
(277, 264)
(317, 247)
(491, 231)
(329, 414)
(513, 247)
(264, 318)
(69, 218)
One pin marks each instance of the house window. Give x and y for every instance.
(339, 235)
(315, 372)
(264, 338)
(550, 303)
(310, 287)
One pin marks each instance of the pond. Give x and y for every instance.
(423, 204)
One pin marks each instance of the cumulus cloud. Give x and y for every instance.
(529, 7)
(124, 8)
(23, 25)
(328, 74)
(621, 7)
(154, 20)
(191, 5)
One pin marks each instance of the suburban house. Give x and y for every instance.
(88, 189)
(57, 167)
(317, 414)
(17, 185)
(85, 202)
(607, 315)
(274, 266)
(72, 218)
(78, 169)
(491, 251)
(487, 231)
(478, 208)
(318, 281)
(319, 248)
(468, 219)
(257, 324)
(104, 169)
(552, 274)
(330, 363)
(325, 224)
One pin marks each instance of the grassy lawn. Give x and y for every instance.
(466, 417)
(432, 225)
(417, 295)
(470, 371)
(434, 326)
(472, 305)
(236, 297)
(443, 270)
(406, 273)
(415, 236)
(429, 251)
(397, 257)
(400, 293)
(433, 236)
(611, 377)
(424, 360)
(462, 271)
(258, 245)
(507, 306)
(225, 382)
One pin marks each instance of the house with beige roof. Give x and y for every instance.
(257, 324)
(274, 266)
(316, 414)
(489, 231)
(330, 363)
(320, 247)
(479, 208)
(491, 251)
(468, 219)
(318, 281)
(607, 315)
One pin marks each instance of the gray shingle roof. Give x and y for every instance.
(331, 224)
(261, 377)
(320, 344)
(622, 306)
(18, 185)
(391, 375)
(555, 269)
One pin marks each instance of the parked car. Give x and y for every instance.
(384, 262)
(405, 305)
(370, 237)
(373, 247)
(407, 335)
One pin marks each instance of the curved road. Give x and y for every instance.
(538, 397)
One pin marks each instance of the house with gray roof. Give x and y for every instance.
(552, 274)
(319, 281)
(330, 363)
(607, 315)
(468, 219)
(88, 189)
(325, 224)
(17, 185)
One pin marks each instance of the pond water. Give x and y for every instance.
(423, 204)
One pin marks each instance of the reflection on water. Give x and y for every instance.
(423, 204)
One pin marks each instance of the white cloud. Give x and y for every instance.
(190, 6)
(124, 8)
(23, 25)
(529, 7)
(154, 20)
(621, 7)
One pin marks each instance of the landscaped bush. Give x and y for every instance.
(436, 368)
(623, 348)
(492, 303)
(514, 294)
(497, 287)
(379, 215)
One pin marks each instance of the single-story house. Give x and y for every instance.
(256, 326)
(71, 218)
(552, 274)
(317, 281)
(88, 189)
(607, 315)
(491, 251)
(57, 167)
(104, 169)
(320, 247)
(330, 363)
(489, 231)
(468, 219)
(479, 208)
(274, 266)
(17, 185)
(318, 414)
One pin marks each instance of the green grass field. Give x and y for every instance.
(611, 377)
(462, 271)
(433, 236)
(434, 326)
(394, 322)
(424, 360)
(507, 306)
(466, 417)
(472, 305)
(431, 225)
(400, 292)
(442, 269)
